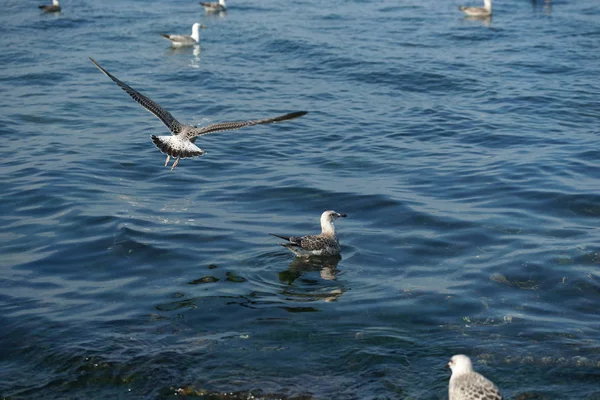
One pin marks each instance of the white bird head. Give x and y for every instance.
(460, 364)
(330, 216)
(327, 219)
(196, 31)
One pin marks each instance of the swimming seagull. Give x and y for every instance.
(324, 244)
(181, 143)
(214, 7)
(466, 384)
(186, 40)
(484, 11)
(55, 7)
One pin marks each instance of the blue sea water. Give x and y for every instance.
(465, 153)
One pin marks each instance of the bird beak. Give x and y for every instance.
(203, 26)
(342, 215)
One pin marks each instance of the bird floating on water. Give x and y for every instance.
(55, 7)
(214, 7)
(484, 11)
(186, 40)
(324, 244)
(181, 142)
(466, 384)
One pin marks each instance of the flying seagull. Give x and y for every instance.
(466, 384)
(181, 142)
(324, 244)
(484, 11)
(55, 7)
(214, 7)
(186, 40)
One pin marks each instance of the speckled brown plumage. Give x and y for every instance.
(324, 244)
(181, 142)
(466, 384)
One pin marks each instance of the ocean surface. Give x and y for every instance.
(466, 154)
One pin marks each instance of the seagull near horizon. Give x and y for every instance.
(324, 244)
(181, 142)
(484, 11)
(214, 7)
(186, 40)
(466, 384)
(55, 7)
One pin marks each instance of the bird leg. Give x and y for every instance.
(175, 164)
(167, 162)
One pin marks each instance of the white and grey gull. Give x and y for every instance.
(181, 142)
(466, 384)
(186, 40)
(214, 7)
(55, 7)
(484, 11)
(324, 244)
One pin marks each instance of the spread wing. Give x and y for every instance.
(162, 114)
(230, 126)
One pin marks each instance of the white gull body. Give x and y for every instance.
(324, 244)
(484, 11)
(466, 384)
(185, 40)
(55, 7)
(214, 7)
(181, 142)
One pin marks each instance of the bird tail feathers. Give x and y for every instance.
(176, 146)
(286, 238)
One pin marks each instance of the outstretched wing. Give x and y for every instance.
(162, 114)
(230, 126)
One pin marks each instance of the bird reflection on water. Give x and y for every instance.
(194, 50)
(546, 5)
(485, 21)
(303, 288)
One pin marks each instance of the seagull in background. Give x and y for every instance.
(214, 7)
(181, 142)
(185, 40)
(55, 7)
(466, 384)
(484, 11)
(324, 244)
